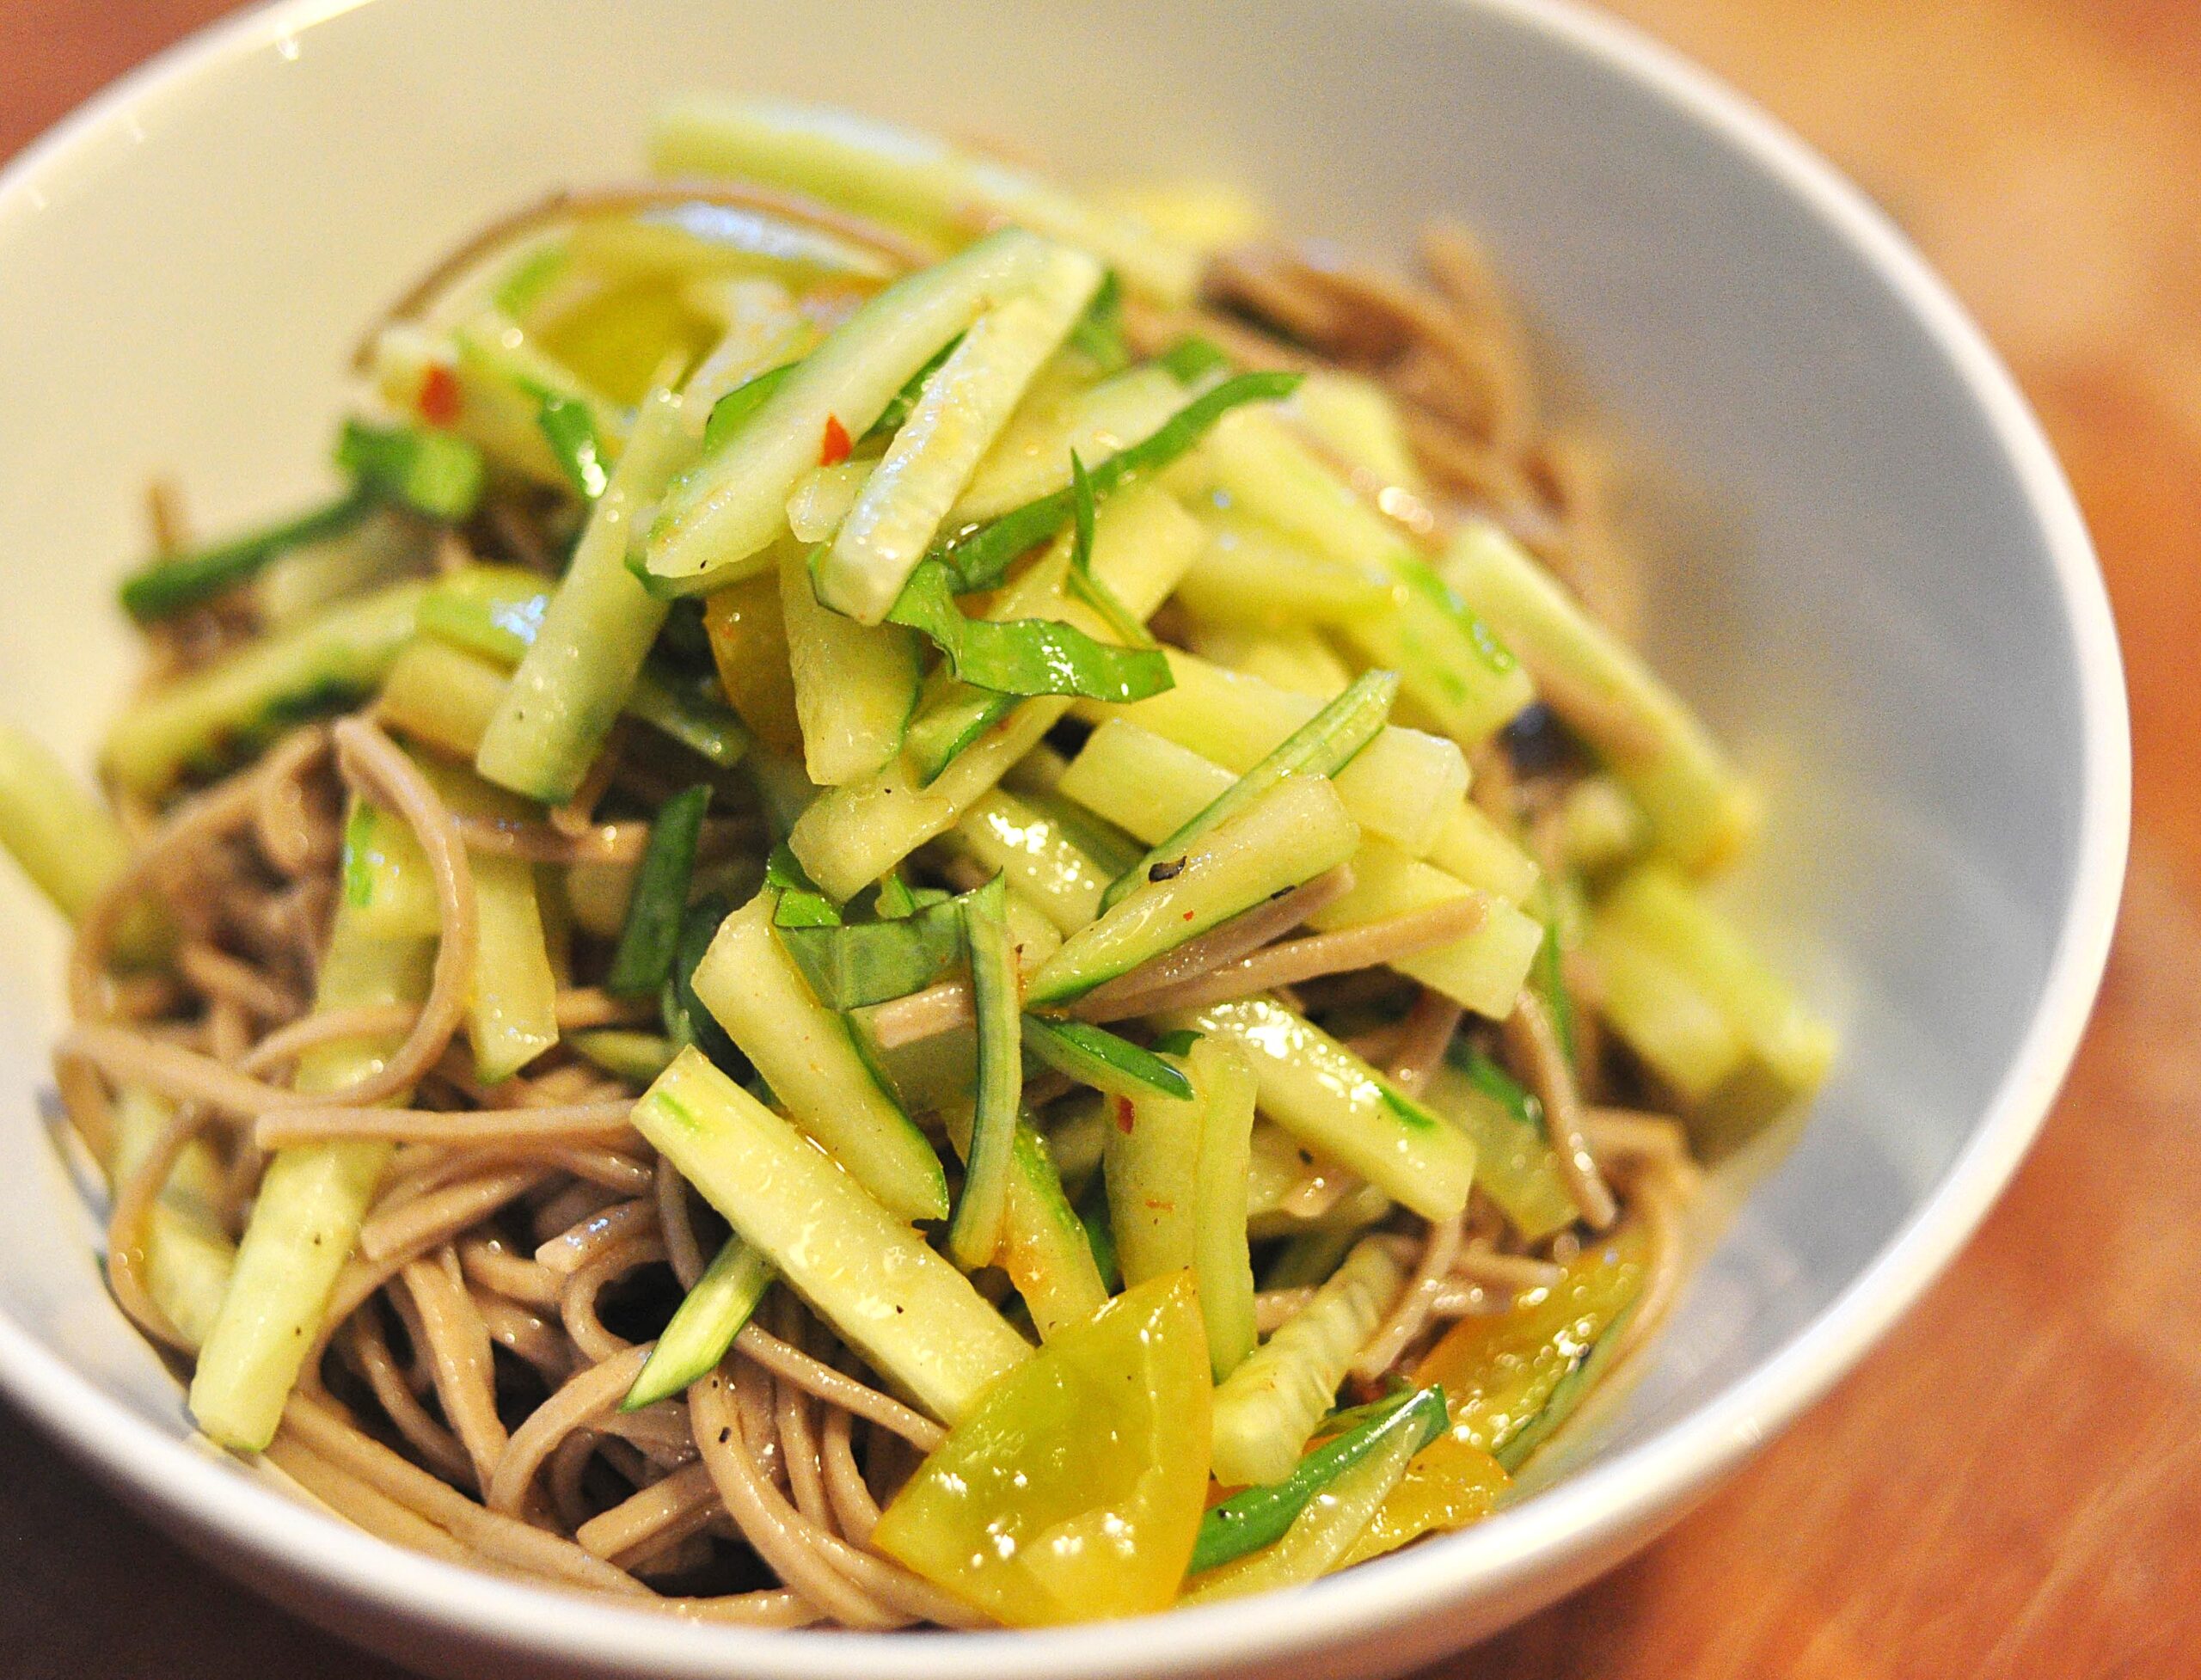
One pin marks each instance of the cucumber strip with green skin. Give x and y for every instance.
(910, 178)
(1450, 662)
(822, 498)
(855, 685)
(1223, 1261)
(188, 1258)
(975, 1231)
(651, 937)
(1150, 1160)
(1335, 1102)
(388, 883)
(497, 612)
(307, 1215)
(853, 835)
(1702, 812)
(1322, 746)
(1031, 458)
(332, 659)
(719, 518)
(581, 667)
(1151, 785)
(1401, 787)
(176, 583)
(911, 1316)
(1268, 1408)
(1044, 1246)
(68, 842)
(1290, 834)
(1515, 1165)
(1659, 911)
(1360, 421)
(980, 559)
(1469, 845)
(1248, 1521)
(1483, 971)
(1099, 1233)
(511, 1010)
(442, 696)
(1094, 1055)
(953, 422)
(804, 1052)
(434, 473)
(1250, 574)
(1321, 1537)
(1036, 854)
(704, 1324)
(637, 1057)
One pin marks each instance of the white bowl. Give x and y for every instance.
(1896, 616)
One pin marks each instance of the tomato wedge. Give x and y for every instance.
(1073, 1488)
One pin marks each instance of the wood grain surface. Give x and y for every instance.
(2011, 1486)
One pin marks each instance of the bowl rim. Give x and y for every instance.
(1603, 1506)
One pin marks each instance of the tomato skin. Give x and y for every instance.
(1448, 1485)
(1073, 1489)
(1498, 1369)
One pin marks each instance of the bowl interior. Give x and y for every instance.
(1866, 574)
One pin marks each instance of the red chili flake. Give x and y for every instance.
(439, 399)
(1124, 1115)
(835, 448)
(1188, 915)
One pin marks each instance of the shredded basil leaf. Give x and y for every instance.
(898, 409)
(570, 430)
(857, 963)
(1099, 333)
(650, 940)
(737, 404)
(1024, 656)
(976, 559)
(1191, 359)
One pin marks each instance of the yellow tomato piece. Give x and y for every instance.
(1498, 1369)
(749, 645)
(1073, 1488)
(1449, 1485)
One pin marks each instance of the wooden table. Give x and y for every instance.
(2011, 1485)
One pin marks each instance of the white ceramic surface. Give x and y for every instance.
(1895, 615)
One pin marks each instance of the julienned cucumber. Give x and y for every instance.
(912, 179)
(853, 835)
(873, 1278)
(974, 1235)
(329, 660)
(1329, 1099)
(1266, 1410)
(805, 1053)
(1290, 834)
(854, 684)
(704, 1324)
(962, 410)
(1322, 746)
(719, 519)
(581, 667)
